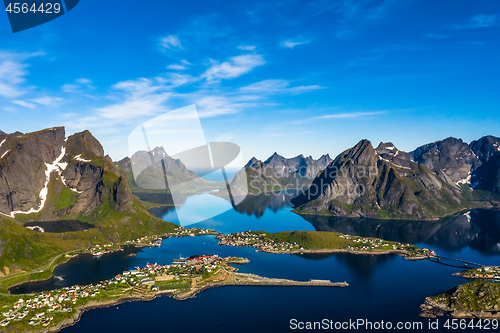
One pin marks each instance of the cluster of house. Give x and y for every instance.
(39, 307)
(485, 272)
(99, 250)
(191, 232)
(252, 239)
(152, 241)
(370, 244)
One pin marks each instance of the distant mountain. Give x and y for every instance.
(324, 161)
(147, 179)
(432, 181)
(1, 132)
(278, 172)
(149, 166)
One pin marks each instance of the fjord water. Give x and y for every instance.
(384, 287)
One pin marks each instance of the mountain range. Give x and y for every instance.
(278, 172)
(46, 176)
(432, 181)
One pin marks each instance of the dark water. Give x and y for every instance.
(60, 226)
(384, 287)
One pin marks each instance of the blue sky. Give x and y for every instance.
(296, 77)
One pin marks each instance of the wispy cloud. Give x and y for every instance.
(143, 97)
(473, 43)
(277, 86)
(246, 47)
(477, 21)
(81, 85)
(13, 72)
(177, 67)
(350, 115)
(235, 67)
(47, 100)
(24, 103)
(290, 44)
(170, 42)
(435, 36)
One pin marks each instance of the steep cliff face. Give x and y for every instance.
(451, 159)
(362, 182)
(45, 174)
(486, 175)
(23, 167)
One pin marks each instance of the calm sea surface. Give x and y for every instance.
(384, 287)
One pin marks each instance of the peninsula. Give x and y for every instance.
(54, 310)
(299, 242)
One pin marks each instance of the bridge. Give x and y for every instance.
(467, 263)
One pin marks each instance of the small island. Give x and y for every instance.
(183, 279)
(299, 242)
(477, 299)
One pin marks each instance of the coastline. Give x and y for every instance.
(493, 205)
(403, 254)
(241, 279)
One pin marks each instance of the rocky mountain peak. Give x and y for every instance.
(486, 147)
(274, 158)
(386, 147)
(361, 153)
(84, 144)
(252, 162)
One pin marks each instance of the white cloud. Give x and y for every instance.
(477, 21)
(12, 75)
(84, 81)
(170, 42)
(349, 115)
(24, 103)
(177, 67)
(246, 47)
(81, 85)
(277, 86)
(143, 97)
(435, 36)
(235, 67)
(290, 44)
(47, 100)
(482, 21)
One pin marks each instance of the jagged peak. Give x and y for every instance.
(386, 146)
(81, 142)
(251, 162)
(273, 157)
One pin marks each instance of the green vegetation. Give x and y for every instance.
(66, 199)
(302, 241)
(472, 296)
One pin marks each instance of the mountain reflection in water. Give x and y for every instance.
(478, 229)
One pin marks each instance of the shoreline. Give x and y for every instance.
(138, 246)
(490, 205)
(401, 253)
(241, 279)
